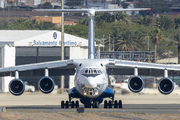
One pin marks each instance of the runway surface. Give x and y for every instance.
(132, 103)
(127, 108)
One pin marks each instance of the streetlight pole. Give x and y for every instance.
(62, 41)
(109, 42)
(148, 43)
(115, 13)
(103, 42)
(113, 48)
(8, 14)
(104, 3)
(113, 45)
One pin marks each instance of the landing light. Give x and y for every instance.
(96, 93)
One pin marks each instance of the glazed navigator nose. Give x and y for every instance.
(90, 82)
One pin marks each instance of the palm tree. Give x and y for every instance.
(105, 17)
(43, 25)
(18, 24)
(140, 39)
(122, 16)
(84, 21)
(164, 22)
(129, 41)
(177, 22)
(144, 20)
(156, 36)
(177, 42)
(108, 18)
(4, 26)
(33, 24)
(102, 18)
(125, 42)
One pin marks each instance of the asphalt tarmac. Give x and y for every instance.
(136, 103)
(127, 108)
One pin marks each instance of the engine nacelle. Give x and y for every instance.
(46, 84)
(16, 87)
(135, 83)
(165, 85)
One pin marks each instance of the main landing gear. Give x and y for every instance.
(112, 102)
(116, 104)
(94, 104)
(68, 104)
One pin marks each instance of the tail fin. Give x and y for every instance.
(91, 14)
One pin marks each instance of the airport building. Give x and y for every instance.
(18, 47)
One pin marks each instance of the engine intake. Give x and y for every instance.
(135, 84)
(16, 87)
(165, 85)
(46, 84)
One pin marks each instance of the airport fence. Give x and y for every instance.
(143, 56)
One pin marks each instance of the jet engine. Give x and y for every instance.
(165, 85)
(135, 83)
(16, 87)
(46, 84)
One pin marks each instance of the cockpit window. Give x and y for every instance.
(85, 72)
(93, 71)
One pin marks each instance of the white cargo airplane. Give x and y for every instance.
(91, 78)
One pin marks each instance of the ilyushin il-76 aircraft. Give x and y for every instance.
(91, 78)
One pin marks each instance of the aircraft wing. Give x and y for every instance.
(144, 65)
(124, 67)
(65, 64)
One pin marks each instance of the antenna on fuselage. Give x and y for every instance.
(91, 30)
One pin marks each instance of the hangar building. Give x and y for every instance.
(18, 47)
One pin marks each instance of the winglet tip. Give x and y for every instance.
(34, 10)
(148, 9)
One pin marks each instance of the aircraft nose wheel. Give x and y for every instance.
(96, 104)
(87, 105)
(111, 103)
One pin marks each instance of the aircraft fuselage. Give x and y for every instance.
(91, 79)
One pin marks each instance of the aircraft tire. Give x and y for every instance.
(62, 104)
(120, 104)
(72, 104)
(87, 105)
(67, 104)
(110, 104)
(115, 104)
(96, 104)
(77, 104)
(105, 104)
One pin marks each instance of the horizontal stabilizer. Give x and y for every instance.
(92, 10)
(91, 14)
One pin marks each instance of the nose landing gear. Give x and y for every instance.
(94, 104)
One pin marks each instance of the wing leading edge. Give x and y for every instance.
(43, 65)
(142, 65)
(124, 67)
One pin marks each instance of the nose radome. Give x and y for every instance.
(91, 83)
